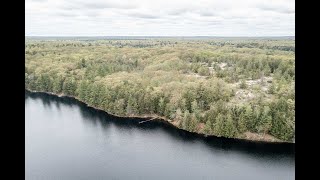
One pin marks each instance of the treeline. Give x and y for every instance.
(200, 105)
(207, 105)
(239, 67)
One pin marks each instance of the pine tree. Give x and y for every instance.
(193, 123)
(83, 63)
(242, 124)
(119, 107)
(201, 97)
(186, 120)
(44, 83)
(266, 120)
(267, 70)
(208, 127)
(95, 94)
(189, 96)
(26, 80)
(178, 115)
(69, 86)
(249, 118)
(282, 126)
(58, 84)
(101, 95)
(219, 126)
(243, 84)
(272, 88)
(162, 106)
(132, 106)
(169, 110)
(229, 129)
(89, 94)
(82, 90)
(195, 109)
(256, 119)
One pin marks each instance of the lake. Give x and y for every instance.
(66, 140)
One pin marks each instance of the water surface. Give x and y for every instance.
(66, 140)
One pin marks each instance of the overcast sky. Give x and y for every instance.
(160, 17)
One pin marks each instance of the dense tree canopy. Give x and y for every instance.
(224, 87)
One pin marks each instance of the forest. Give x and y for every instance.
(229, 87)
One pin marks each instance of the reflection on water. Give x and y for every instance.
(94, 117)
(228, 153)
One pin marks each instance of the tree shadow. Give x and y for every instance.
(94, 117)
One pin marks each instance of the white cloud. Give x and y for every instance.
(161, 17)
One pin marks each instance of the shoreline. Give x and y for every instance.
(153, 117)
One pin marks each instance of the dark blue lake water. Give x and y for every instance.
(66, 140)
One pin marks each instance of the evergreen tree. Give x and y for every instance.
(179, 117)
(193, 123)
(132, 106)
(119, 107)
(249, 117)
(243, 84)
(256, 119)
(44, 83)
(266, 120)
(135, 80)
(208, 127)
(162, 106)
(219, 126)
(69, 86)
(230, 128)
(195, 109)
(242, 124)
(26, 80)
(169, 111)
(58, 84)
(186, 120)
(272, 88)
(210, 115)
(189, 97)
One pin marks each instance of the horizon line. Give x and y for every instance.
(152, 36)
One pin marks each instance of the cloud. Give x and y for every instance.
(178, 11)
(105, 5)
(65, 14)
(160, 17)
(94, 5)
(207, 14)
(144, 15)
(279, 7)
(37, 0)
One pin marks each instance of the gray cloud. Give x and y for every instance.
(207, 14)
(92, 13)
(276, 8)
(65, 14)
(179, 11)
(38, 0)
(94, 5)
(214, 23)
(105, 5)
(99, 5)
(162, 17)
(143, 15)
